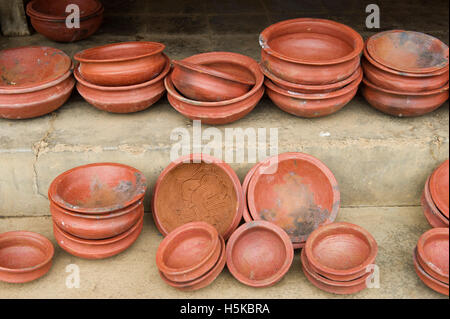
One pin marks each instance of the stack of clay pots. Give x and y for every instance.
(122, 77)
(306, 81)
(215, 87)
(405, 73)
(97, 209)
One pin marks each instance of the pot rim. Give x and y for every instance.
(63, 21)
(423, 239)
(414, 94)
(441, 206)
(431, 205)
(53, 18)
(426, 278)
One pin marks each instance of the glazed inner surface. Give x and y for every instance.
(21, 253)
(125, 51)
(58, 8)
(436, 251)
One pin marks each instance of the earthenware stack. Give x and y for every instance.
(405, 72)
(303, 80)
(430, 259)
(339, 258)
(122, 77)
(97, 209)
(191, 256)
(215, 87)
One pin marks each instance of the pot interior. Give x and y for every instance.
(21, 253)
(436, 252)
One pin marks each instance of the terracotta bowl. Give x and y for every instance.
(188, 252)
(295, 191)
(259, 254)
(312, 105)
(432, 253)
(56, 10)
(98, 188)
(439, 188)
(123, 99)
(198, 187)
(428, 280)
(202, 83)
(24, 256)
(408, 51)
(434, 217)
(122, 64)
(97, 249)
(403, 104)
(310, 51)
(91, 226)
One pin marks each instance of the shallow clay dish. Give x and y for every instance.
(439, 188)
(408, 51)
(434, 217)
(122, 64)
(432, 253)
(198, 187)
(24, 256)
(98, 188)
(56, 10)
(428, 280)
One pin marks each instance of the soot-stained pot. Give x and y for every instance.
(434, 217)
(439, 188)
(432, 253)
(428, 280)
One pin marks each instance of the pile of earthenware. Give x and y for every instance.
(405, 73)
(97, 209)
(431, 259)
(34, 81)
(122, 77)
(435, 198)
(51, 18)
(215, 87)
(312, 65)
(339, 258)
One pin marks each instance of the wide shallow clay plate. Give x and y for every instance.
(432, 253)
(431, 282)
(439, 188)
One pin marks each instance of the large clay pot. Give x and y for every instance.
(56, 10)
(432, 253)
(439, 189)
(428, 280)
(434, 217)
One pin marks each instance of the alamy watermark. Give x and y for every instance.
(73, 19)
(373, 19)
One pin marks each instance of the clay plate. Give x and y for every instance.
(439, 188)
(431, 282)
(431, 212)
(432, 253)
(56, 10)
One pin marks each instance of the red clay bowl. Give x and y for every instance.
(439, 188)
(97, 249)
(259, 254)
(24, 256)
(432, 214)
(403, 104)
(295, 191)
(432, 253)
(431, 282)
(90, 226)
(310, 51)
(198, 187)
(408, 51)
(312, 105)
(123, 99)
(122, 64)
(56, 10)
(188, 252)
(98, 188)
(202, 83)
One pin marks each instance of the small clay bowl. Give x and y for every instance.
(24, 256)
(56, 10)
(97, 249)
(92, 226)
(428, 280)
(98, 188)
(439, 188)
(123, 99)
(122, 64)
(188, 252)
(341, 249)
(434, 217)
(432, 253)
(403, 104)
(310, 51)
(202, 83)
(408, 51)
(315, 104)
(259, 254)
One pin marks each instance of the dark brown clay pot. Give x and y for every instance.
(290, 51)
(24, 256)
(123, 99)
(198, 187)
(428, 280)
(259, 254)
(434, 217)
(439, 188)
(432, 253)
(98, 188)
(122, 64)
(56, 10)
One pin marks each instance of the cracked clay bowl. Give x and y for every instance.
(295, 191)
(24, 256)
(432, 253)
(428, 280)
(434, 217)
(259, 254)
(98, 188)
(198, 187)
(439, 188)
(310, 51)
(56, 10)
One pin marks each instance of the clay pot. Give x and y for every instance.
(198, 187)
(439, 188)
(432, 253)
(408, 51)
(432, 214)
(24, 256)
(403, 104)
(312, 105)
(202, 83)
(98, 188)
(91, 226)
(56, 10)
(123, 99)
(259, 254)
(310, 51)
(97, 249)
(428, 280)
(122, 64)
